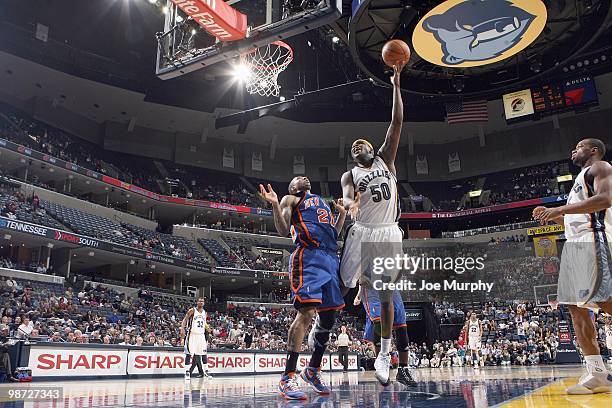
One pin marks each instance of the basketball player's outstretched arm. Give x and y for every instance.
(350, 199)
(388, 150)
(188, 316)
(281, 211)
(601, 200)
(339, 222)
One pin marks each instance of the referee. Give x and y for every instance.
(343, 342)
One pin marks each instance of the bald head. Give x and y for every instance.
(596, 144)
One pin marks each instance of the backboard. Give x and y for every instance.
(200, 33)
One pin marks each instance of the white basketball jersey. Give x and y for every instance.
(577, 225)
(608, 330)
(198, 322)
(379, 195)
(474, 328)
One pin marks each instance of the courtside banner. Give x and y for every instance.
(55, 360)
(75, 362)
(230, 363)
(155, 362)
(335, 364)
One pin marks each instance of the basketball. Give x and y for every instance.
(395, 52)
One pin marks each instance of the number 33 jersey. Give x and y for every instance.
(379, 196)
(313, 224)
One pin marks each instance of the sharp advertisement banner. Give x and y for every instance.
(58, 361)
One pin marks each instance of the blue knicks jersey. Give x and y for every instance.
(312, 224)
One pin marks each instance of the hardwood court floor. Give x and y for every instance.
(448, 387)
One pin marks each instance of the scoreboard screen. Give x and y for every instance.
(548, 98)
(580, 92)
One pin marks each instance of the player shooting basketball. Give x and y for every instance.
(313, 275)
(585, 275)
(371, 197)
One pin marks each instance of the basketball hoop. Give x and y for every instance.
(264, 65)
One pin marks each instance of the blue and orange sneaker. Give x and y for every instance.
(288, 388)
(313, 377)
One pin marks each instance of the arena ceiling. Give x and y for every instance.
(112, 42)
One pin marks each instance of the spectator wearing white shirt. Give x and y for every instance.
(25, 328)
(343, 342)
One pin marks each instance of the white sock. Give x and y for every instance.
(385, 345)
(594, 362)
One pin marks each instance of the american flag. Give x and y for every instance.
(467, 112)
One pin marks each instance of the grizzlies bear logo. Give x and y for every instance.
(467, 33)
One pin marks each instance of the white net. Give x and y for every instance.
(264, 64)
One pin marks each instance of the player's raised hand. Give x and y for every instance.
(397, 73)
(268, 194)
(339, 205)
(537, 212)
(548, 214)
(354, 207)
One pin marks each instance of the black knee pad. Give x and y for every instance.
(401, 338)
(377, 332)
(324, 324)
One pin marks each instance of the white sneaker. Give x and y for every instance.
(592, 383)
(206, 375)
(311, 334)
(187, 375)
(381, 365)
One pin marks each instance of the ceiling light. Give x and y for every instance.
(282, 99)
(335, 39)
(241, 72)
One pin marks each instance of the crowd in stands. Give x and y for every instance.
(244, 248)
(19, 128)
(23, 266)
(193, 182)
(514, 332)
(505, 187)
(14, 204)
(52, 312)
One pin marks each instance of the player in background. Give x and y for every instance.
(473, 328)
(193, 330)
(371, 197)
(371, 303)
(608, 333)
(585, 274)
(313, 276)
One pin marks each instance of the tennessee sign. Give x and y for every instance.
(470, 33)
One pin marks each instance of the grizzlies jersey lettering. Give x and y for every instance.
(312, 224)
(379, 196)
(198, 322)
(474, 329)
(577, 225)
